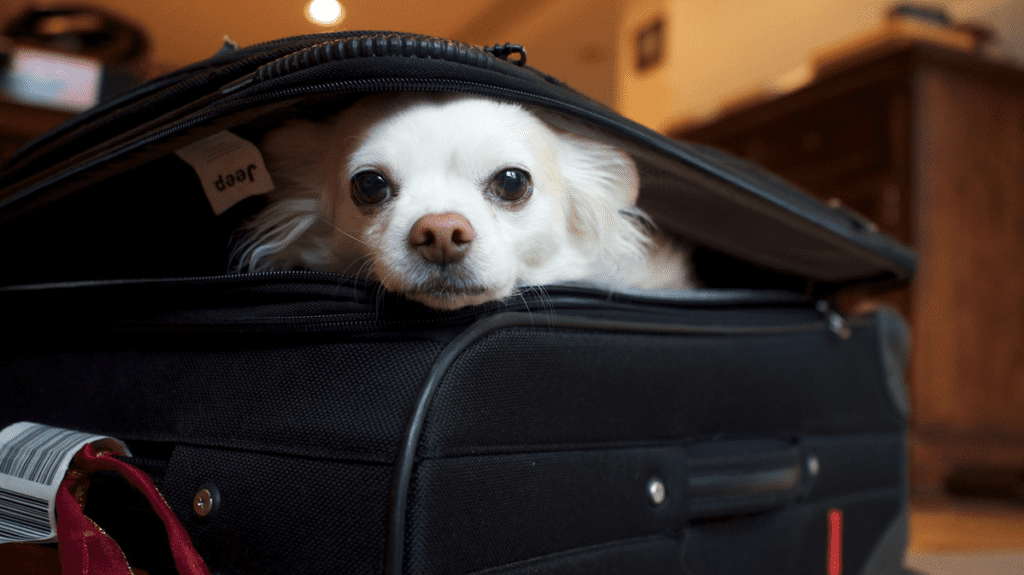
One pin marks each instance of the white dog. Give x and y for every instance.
(453, 200)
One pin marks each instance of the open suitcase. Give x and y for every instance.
(745, 427)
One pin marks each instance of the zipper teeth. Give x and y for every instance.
(306, 38)
(369, 85)
(371, 45)
(350, 321)
(304, 325)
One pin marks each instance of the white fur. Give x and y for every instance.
(441, 152)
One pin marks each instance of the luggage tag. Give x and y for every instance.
(33, 461)
(230, 168)
(43, 482)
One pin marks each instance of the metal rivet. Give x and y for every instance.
(656, 490)
(205, 500)
(202, 503)
(813, 465)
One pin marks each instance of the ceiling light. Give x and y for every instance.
(325, 13)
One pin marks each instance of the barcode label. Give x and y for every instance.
(35, 453)
(23, 517)
(33, 460)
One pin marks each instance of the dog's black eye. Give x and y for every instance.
(511, 185)
(370, 188)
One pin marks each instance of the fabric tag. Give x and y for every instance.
(231, 169)
(33, 460)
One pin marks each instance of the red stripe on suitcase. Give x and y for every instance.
(835, 542)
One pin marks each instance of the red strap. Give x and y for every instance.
(86, 550)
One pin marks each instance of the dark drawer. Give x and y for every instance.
(839, 137)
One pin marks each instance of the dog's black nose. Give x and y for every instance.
(442, 238)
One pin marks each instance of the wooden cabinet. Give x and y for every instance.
(928, 143)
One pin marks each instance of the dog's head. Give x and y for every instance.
(449, 200)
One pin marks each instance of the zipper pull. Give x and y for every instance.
(859, 220)
(836, 322)
(503, 52)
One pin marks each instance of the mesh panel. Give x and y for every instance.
(344, 399)
(523, 389)
(647, 556)
(283, 515)
(535, 455)
(470, 513)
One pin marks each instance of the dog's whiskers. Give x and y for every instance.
(381, 292)
(519, 294)
(546, 303)
(362, 261)
(544, 299)
(341, 231)
(367, 263)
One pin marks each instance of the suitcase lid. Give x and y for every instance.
(707, 197)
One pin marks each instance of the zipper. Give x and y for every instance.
(78, 166)
(323, 287)
(836, 322)
(505, 50)
(348, 45)
(127, 106)
(363, 322)
(235, 96)
(373, 46)
(824, 218)
(348, 322)
(198, 74)
(250, 55)
(857, 219)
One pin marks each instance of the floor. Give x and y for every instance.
(966, 538)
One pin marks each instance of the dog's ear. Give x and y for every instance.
(602, 185)
(598, 169)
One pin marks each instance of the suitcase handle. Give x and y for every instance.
(739, 477)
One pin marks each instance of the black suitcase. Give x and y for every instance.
(745, 427)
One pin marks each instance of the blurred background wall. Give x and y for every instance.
(718, 51)
(713, 51)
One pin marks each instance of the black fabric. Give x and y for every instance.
(282, 514)
(341, 399)
(152, 221)
(851, 477)
(657, 555)
(470, 513)
(850, 464)
(524, 388)
(537, 448)
(791, 541)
